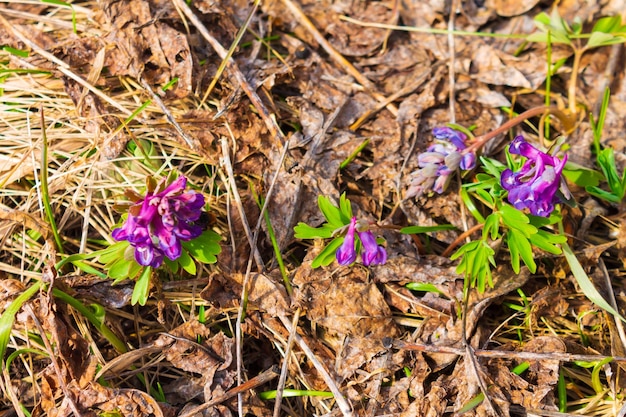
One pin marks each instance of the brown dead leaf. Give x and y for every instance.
(127, 402)
(493, 67)
(185, 353)
(343, 304)
(509, 8)
(265, 292)
(147, 47)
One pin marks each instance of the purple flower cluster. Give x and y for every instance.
(157, 223)
(440, 161)
(371, 252)
(535, 185)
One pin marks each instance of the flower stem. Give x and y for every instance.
(479, 141)
(571, 88)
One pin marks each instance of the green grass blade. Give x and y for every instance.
(8, 317)
(585, 283)
(45, 194)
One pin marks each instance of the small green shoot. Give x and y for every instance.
(354, 154)
(605, 159)
(270, 395)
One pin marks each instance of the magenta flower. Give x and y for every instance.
(373, 254)
(157, 223)
(440, 161)
(535, 185)
(346, 254)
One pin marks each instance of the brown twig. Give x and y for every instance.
(479, 141)
(263, 378)
(459, 239)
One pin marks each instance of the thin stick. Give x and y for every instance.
(246, 279)
(53, 359)
(168, 114)
(263, 378)
(233, 189)
(285, 368)
(502, 354)
(452, 61)
(459, 239)
(332, 386)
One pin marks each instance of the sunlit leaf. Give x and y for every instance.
(142, 287)
(519, 246)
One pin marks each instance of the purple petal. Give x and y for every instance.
(455, 137)
(148, 255)
(346, 254)
(468, 161)
(372, 254)
(176, 187)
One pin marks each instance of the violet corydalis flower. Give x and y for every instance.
(440, 161)
(535, 185)
(158, 222)
(371, 252)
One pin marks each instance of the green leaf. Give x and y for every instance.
(187, 263)
(173, 266)
(142, 287)
(477, 256)
(486, 197)
(606, 160)
(492, 226)
(598, 39)
(413, 230)
(304, 231)
(519, 246)
(8, 315)
(469, 203)
(548, 241)
(345, 207)
(114, 252)
(585, 283)
(423, 287)
(515, 219)
(331, 213)
(327, 255)
(582, 176)
(608, 24)
(605, 195)
(120, 269)
(205, 247)
(492, 166)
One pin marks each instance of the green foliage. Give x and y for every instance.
(476, 258)
(606, 31)
(520, 232)
(605, 159)
(8, 316)
(336, 219)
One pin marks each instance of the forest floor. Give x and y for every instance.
(265, 107)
